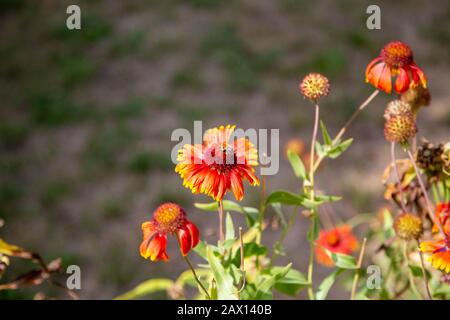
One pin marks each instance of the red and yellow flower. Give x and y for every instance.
(337, 240)
(443, 215)
(440, 253)
(395, 60)
(219, 164)
(168, 218)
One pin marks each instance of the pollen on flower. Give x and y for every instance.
(314, 86)
(408, 226)
(397, 54)
(169, 216)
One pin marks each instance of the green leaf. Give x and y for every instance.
(224, 281)
(319, 200)
(291, 283)
(254, 249)
(335, 152)
(263, 289)
(146, 288)
(342, 261)
(200, 249)
(285, 197)
(417, 271)
(326, 137)
(326, 284)
(320, 150)
(229, 227)
(297, 165)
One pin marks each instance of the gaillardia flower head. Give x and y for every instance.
(168, 218)
(408, 226)
(219, 164)
(440, 253)
(337, 240)
(314, 86)
(400, 128)
(395, 60)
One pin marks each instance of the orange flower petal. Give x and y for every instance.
(402, 81)
(385, 80)
(417, 71)
(154, 248)
(236, 186)
(369, 73)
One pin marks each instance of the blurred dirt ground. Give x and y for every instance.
(86, 116)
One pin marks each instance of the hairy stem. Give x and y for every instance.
(314, 213)
(311, 261)
(313, 147)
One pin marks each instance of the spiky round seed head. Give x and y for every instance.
(400, 128)
(417, 97)
(408, 226)
(395, 108)
(314, 86)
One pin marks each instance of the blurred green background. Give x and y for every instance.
(86, 115)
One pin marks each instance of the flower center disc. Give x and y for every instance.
(397, 54)
(169, 217)
(220, 156)
(332, 239)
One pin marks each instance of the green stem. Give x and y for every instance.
(221, 232)
(284, 233)
(358, 270)
(314, 211)
(410, 274)
(196, 277)
(311, 259)
(424, 274)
